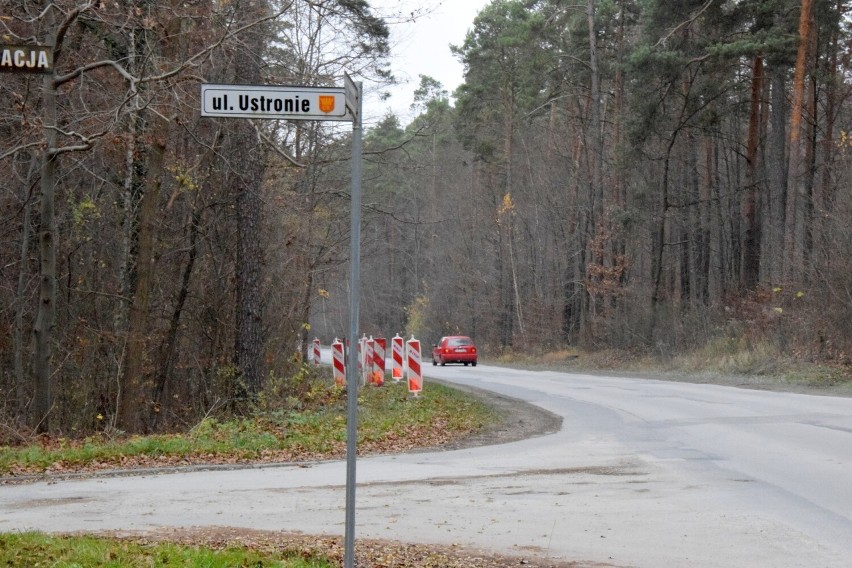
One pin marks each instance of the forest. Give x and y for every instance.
(639, 175)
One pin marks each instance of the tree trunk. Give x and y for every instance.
(507, 281)
(133, 405)
(696, 240)
(248, 162)
(170, 344)
(246, 152)
(776, 173)
(136, 400)
(709, 228)
(811, 128)
(595, 152)
(305, 315)
(597, 145)
(824, 197)
(45, 324)
(795, 205)
(751, 240)
(659, 239)
(26, 232)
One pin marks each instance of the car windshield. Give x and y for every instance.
(459, 342)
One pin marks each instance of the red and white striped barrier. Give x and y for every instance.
(367, 369)
(362, 350)
(338, 361)
(316, 351)
(415, 378)
(397, 357)
(379, 348)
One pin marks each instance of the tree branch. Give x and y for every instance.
(681, 25)
(275, 147)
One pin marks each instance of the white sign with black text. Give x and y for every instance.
(274, 102)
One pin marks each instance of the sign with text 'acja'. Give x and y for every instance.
(274, 102)
(26, 58)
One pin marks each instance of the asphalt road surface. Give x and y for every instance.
(642, 473)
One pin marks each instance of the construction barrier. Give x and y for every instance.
(316, 356)
(367, 369)
(415, 378)
(378, 374)
(362, 350)
(338, 361)
(397, 358)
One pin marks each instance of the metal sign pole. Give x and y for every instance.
(352, 380)
(314, 103)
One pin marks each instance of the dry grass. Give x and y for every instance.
(724, 360)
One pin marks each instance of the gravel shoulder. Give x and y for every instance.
(518, 420)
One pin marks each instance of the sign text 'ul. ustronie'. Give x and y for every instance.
(269, 101)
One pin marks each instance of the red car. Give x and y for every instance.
(454, 349)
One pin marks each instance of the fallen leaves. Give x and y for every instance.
(369, 553)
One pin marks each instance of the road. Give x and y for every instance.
(643, 473)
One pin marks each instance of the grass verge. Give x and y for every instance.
(390, 420)
(38, 549)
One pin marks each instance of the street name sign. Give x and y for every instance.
(26, 58)
(274, 102)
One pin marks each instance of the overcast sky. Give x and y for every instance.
(422, 47)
